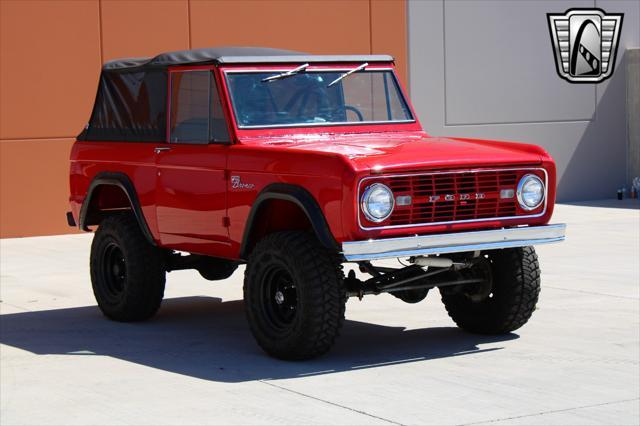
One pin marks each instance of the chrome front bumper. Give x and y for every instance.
(452, 243)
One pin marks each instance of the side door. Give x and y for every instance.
(191, 187)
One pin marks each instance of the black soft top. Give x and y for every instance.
(132, 94)
(233, 55)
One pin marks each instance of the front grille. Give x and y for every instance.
(451, 197)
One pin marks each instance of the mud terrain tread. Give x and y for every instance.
(517, 279)
(145, 270)
(323, 297)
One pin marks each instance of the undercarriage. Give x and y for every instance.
(462, 272)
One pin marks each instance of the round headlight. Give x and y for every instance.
(377, 202)
(530, 192)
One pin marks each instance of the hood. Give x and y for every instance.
(406, 152)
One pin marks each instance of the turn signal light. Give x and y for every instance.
(507, 193)
(403, 200)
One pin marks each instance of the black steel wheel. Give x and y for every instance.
(127, 272)
(294, 296)
(506, 298)
(113, 271)
(279, 297)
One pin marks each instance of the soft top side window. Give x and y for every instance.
(196, 110)
(130, 106)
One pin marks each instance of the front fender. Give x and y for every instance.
(304, 200)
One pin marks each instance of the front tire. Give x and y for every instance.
(127, 272)
(294, 296)
(506, 300)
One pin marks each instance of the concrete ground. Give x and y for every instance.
(576, 362)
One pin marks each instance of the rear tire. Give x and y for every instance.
(294, 296)
(509, 299)
(127, 272)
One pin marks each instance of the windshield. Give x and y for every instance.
(308, 98)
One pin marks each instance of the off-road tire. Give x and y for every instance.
(515, 288)
(132, 288)
(317, 295)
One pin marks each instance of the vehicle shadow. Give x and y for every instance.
(207, 339)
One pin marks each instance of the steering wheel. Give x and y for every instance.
(355, 110)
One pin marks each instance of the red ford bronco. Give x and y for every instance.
(294, 164)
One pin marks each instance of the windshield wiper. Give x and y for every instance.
(348, 73)
(286, 73)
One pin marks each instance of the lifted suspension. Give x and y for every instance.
(412, 277)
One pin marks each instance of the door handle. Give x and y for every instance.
(159, 149)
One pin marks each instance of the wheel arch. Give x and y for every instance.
(90, 213)
(295, 195)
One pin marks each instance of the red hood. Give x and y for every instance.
(409, 151)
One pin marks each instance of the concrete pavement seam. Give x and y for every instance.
(331, 403)
(592, 292)
(551, 412)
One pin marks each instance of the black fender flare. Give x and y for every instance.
(303, 199)
(123, 182)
